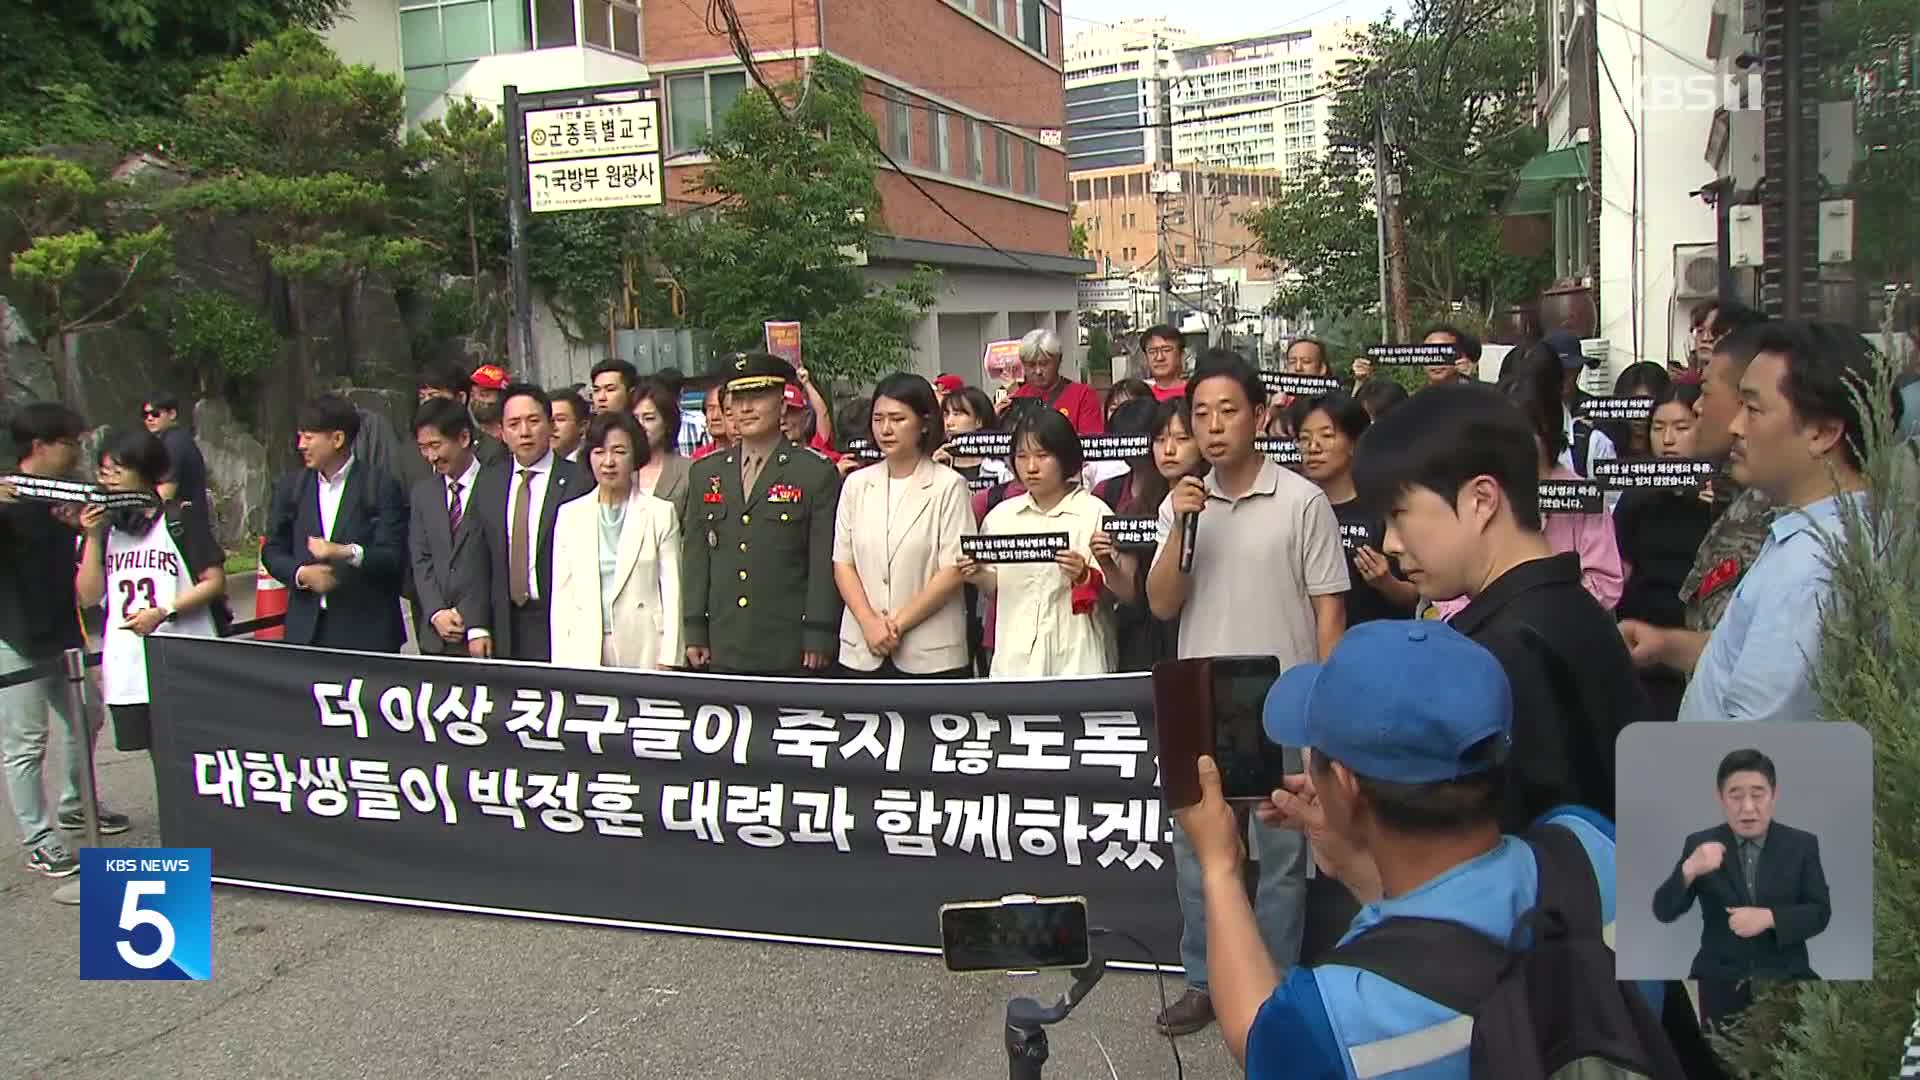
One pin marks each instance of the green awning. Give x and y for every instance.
(1545, 176)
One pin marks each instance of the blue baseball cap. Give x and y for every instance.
(1403, 701)
(1567, 347)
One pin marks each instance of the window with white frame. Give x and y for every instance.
(1032, 28)
(942, 143)
(1002, 159)
(696, 103)
(975, 166)
(899, 127)
(613, 25)
(1032, 170)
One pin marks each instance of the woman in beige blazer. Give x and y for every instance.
(896, 546)
(616, 562)
(664, 476)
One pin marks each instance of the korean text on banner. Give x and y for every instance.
(785, 809)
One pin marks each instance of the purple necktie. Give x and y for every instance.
(453, 507)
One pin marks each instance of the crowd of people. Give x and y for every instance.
(598, 527)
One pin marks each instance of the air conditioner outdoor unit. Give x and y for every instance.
(1696, 271)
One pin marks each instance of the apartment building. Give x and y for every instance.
(961, 90)
(1205, 226)
(1260, 102)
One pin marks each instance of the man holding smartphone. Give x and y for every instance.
(1400, 797)
(1268, 577)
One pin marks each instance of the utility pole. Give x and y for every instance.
(1380, 208)
(1163, 91)
(521, 357)
(1396, 231)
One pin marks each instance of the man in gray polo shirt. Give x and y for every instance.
(1268, 579)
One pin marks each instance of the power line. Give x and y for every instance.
(938, 205)
(1107, 128)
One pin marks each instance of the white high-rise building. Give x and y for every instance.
(1113, 106)
(1261, 102)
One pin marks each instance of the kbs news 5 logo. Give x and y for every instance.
(146, 913)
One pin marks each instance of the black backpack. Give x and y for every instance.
(1547, 1005)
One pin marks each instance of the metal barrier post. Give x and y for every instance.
(76, 666)
(76, 673)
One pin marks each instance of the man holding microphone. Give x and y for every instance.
(1251, 563)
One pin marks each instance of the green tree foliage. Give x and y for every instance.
(794, 202)
(1870, 49)
(463, 164)
(222, 338)
(1455, 81)
(578, 261)
(289, 107)
(116, 71)
(303, 153)
(1079, 237)
(1321, 230)
(1868, 666)
(78, 267)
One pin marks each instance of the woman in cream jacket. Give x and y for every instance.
(616, 562)
(896, 546)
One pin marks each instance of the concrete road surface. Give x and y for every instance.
(337, 989)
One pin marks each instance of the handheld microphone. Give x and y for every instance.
(1190, 527)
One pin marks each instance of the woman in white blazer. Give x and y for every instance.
(616, 562)
(896, 546)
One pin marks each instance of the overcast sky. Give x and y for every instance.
(1218, 19)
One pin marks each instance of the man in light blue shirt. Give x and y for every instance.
(1798, 439)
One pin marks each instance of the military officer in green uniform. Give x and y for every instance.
(757, 540)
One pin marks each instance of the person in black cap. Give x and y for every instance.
(757, 564)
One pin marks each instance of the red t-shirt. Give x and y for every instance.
(1075, 400)
(1168, 393)
(825, 448)
(706, 448)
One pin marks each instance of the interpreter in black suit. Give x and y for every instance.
(1762, 892)
(517, 502)
(451, 586)
(337, 539)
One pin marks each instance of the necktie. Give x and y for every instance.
(519, 542)
(749, 472)
(453, 507)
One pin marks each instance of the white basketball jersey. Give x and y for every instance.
(142, 572)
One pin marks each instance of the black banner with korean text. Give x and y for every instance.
(835, 811)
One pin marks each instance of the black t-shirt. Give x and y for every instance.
(38, 556)
(1574, 686)
(1659, 533)
(1364, 602)
(188, 468)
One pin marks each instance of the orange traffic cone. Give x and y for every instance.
(269, 599)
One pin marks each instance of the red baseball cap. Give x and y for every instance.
(490, 377)
(795, 397)
(951, 384)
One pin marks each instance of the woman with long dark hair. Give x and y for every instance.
(1140, 639)
(896, 545)
(664, 476)
(1659, 533)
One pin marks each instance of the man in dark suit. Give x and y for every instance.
(516, 502)
(1761, 890)
(454, 384)
(451, 585)
(756, 563)
(337, 538)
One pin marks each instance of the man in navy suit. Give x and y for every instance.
(1762, 892)
(516, 502)
(337, 538)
